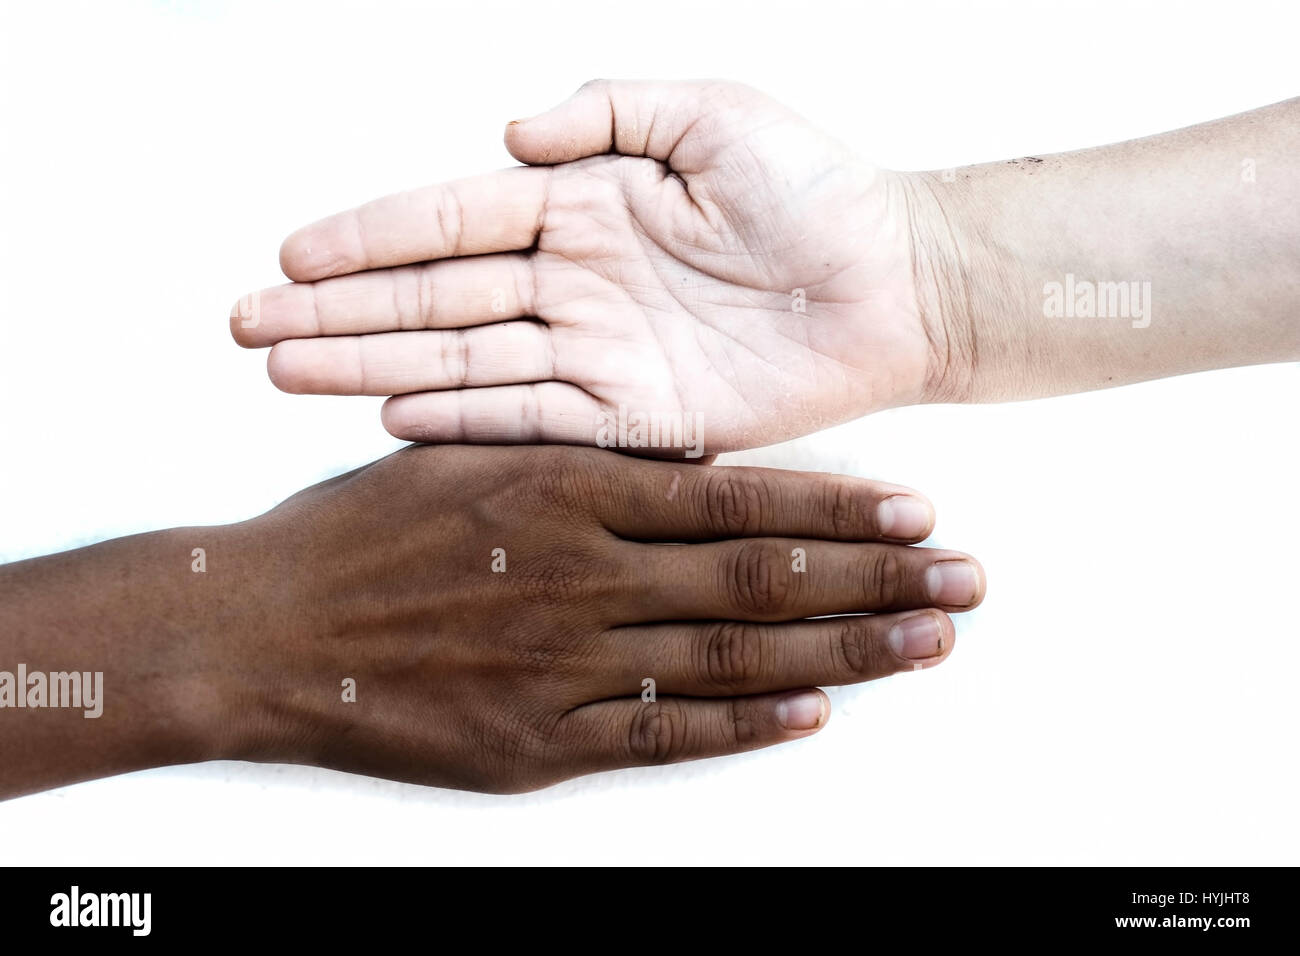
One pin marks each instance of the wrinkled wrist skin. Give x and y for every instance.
(1048, 275)
(962, 277)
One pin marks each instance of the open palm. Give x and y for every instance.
(688, 249)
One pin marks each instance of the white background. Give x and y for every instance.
(1125, 695)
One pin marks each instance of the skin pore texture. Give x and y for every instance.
(697, 248)
(497, 610)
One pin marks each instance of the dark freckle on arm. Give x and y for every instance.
(1029, 161)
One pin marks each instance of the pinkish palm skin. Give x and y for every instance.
(702, 249)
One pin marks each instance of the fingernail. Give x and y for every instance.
(917, 638)
(952, 582)
(903, 516)
(802, 711)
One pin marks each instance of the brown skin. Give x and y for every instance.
(466, 678)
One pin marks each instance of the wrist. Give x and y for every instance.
(241, 700)
(208, 604)
(963, 274)
(274, 674)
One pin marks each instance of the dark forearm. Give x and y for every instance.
(115, 645)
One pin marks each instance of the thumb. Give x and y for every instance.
(632, 118)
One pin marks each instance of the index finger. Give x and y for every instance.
(497, 212)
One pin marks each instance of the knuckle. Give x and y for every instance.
(733, 655)
(847, 511)
(424, 290)
(455, 358)
(523, 277)
(451, 219)
(855, 652)
(557, 484)
(741, 731)
(555, 574)
(657, 733)
(885, 576)
(756, 578)
(517, 743)
(537, 482)
(540, 657)
(735, 506)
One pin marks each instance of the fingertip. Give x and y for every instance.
(948, 638)
(294, 260)
(905, 517)
(981, 583)
(983, 588)
(282, 370)
(571, 130)
(921, 640)
(517, 142)
(245, 317)
(804, 712)
(530, 142)
(389, 417)
(956, 580)
(400, 418)
(306, 256)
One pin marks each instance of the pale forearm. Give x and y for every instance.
(1171, 254)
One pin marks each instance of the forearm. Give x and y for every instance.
(1172, 254)
(117, 642)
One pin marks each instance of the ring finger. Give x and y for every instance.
(726, 658)
(785, 579)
